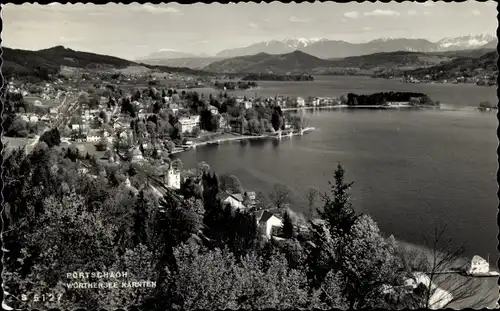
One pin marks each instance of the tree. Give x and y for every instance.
(203, 275)
(170, 146)
(311, 196)
(203, 168)
(102, 144)
(196, 131)
(261, 201)
(177, 164)
(485, 105)
(51, 138)
(366, 264)
(230, 183)
(337, 211)
(280, 196)
(17, 128)
(277, 118)
(63, 237)
(288, 230)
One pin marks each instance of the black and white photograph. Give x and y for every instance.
(314, 155)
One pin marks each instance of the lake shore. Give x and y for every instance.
(360, 107)
(227, 138)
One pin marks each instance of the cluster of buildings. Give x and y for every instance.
(485, 79)
(266, 220)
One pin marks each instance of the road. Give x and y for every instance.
(64, 111)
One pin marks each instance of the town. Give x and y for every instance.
(94, 114)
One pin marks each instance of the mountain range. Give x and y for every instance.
(300, 62)
(44, 63)
(325, 48)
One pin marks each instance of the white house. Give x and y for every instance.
(266, 220)
(33, 119)
(235, 200)
(248, 104)
(93, 136)
(173, 178)
(188, 124)
(24, 117)
(53, 111)
(300, 102)
(213, 110)
(76, 127)
(478, 265)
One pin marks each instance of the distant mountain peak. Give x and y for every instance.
(326, 48)
(465, 42)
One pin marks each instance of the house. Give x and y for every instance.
(93, 136)
(78, 127)
(395, 104)
(478, 265)
(249, 197)
(83, 170)
(189, 124)
(128, 186)
(135, 155)
(223, 123)
(267, 221)
(117, 125)
(248, 104)
(53, 111)
(173, 178)
(33, 119)
(127, 134)
(213, 110)
(300, 102)
(235, 200)
(142, 114)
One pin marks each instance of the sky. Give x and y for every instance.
(136, 30)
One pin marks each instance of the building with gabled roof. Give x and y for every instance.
(267, 221)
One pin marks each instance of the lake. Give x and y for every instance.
(456, 95)
(412, 169)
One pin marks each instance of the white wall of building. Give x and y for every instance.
(272, 222)
(173, 179)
